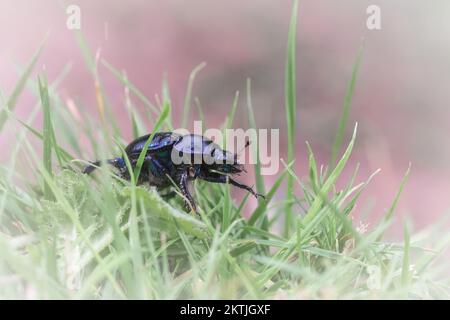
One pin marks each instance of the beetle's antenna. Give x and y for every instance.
(247, 143)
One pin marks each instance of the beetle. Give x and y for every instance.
(171, 157)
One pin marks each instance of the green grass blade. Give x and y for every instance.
(390, 213)
(47, 133)
(290, 105)
(227, 208)
(262, 207)
(242, 248)
(86, 52)
(260, 188)
(228, 205)
(318, 202)
(156, 206)
(65, 155)
(346, 109)
(165, 92)
(124, 80)
(201, 114)
(104, 108)
(137, 126)
(160, 121)
(12, 100)
(313, 174)
(232, 113)
(405, 266)
(187, 99)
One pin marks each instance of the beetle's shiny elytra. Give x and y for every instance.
(173, 157)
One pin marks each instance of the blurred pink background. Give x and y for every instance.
(401, 98)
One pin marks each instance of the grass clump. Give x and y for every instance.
(66, 235)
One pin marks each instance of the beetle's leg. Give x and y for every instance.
(119, 163)
(182, 182)
(88, 169)
(225, 179)
(249, 189)
(156, 173)
(161, 171)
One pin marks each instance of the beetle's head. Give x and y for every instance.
(227, 163)
(223, 161)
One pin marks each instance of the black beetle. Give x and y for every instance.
(173, 157)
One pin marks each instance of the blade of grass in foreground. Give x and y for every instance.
(200, 112)
(166, 100)
(126, 82)
(103, 106)
(137, 125)
(317, 204)
(63, 153)
(73, 215)
(231, 114)
(290, 105)
(346, 110)
(187, 99)
(47, 133)
(405, 266)
(260, 188)
(227, 206)
(161, 119)
(388, 217)
(12, 100)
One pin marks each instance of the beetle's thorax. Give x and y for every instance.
(196, 149)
